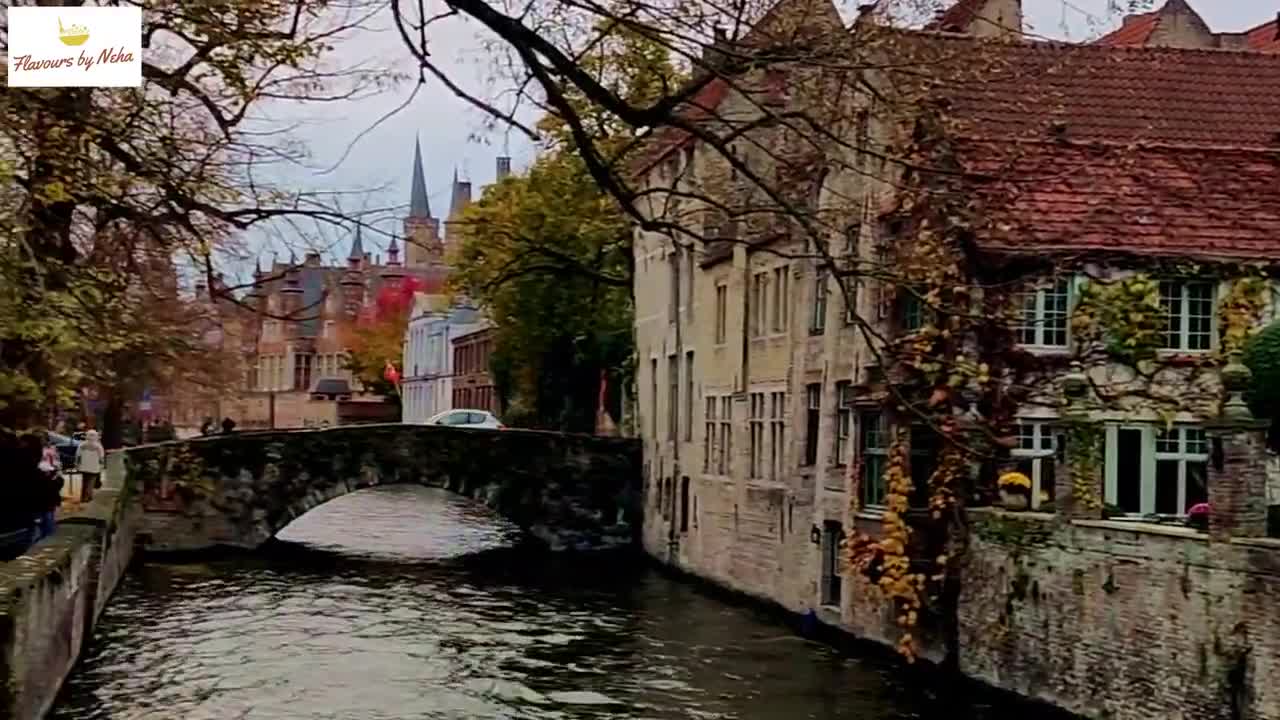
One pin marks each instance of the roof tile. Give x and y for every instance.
(1198, 203)
(1090, 92)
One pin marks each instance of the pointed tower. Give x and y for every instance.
(460, 198)
(393, 252)
(355, 258)
(423, 246)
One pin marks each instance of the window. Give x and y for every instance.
(1151, 470)
(301, 371)
(873, 451)
(813, 403)
(1188, 308)
(725, 460)
(709, 441)
(653, 398)
(777, 432)
(756, 425)
(850, 293)
(926, 446)
(673, 262)
(722, 309)
(844, 422)
(852, 234)
(759, 300)
(673, 397)
(1035, 453)
(818, 321)
(689, 279)
(832, 537)
(1043, 313)
(781, 279)
(684, 504)
(913, 310)
(689, 396)
(1182, 470)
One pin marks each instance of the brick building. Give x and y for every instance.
(766, 404)
(472, 382)
(293, 330)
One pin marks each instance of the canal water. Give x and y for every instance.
(408, 603)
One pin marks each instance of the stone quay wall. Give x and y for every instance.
(51, 597)
(574, 492)
(1120, 620)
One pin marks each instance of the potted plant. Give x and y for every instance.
(1198, 516)
(1015, 491)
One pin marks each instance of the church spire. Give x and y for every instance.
(419, 206)
(356, 255)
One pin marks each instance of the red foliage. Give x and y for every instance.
(393, 302)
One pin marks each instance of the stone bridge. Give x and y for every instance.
(570, 491)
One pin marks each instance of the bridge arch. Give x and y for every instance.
(239, 490)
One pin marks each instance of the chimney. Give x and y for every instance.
(713, 55)
(312, 259)
(503, 167)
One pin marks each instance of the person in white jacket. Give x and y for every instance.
(89, 457)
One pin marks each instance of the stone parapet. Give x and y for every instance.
(52, 596)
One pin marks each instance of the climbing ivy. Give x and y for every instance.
(1124, 315)
(1084, 453)
(1241, 311)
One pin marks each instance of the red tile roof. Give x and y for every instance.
(1265, 37)
(1124, 95)
(956, 17)
(1135, 32)
(1200, 203)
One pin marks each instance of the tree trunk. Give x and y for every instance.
(113, 423)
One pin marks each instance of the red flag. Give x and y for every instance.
(391, 375)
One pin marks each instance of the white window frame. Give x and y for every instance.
(1039, 328)
(844, 423)
(779, 317)
(710, 429)
(1037, 442)
(755, 423)
(1183, 313)
(818, 315)
(1150, 455)
(722, 314)
(881, 450)
(777, 433)
(725, 450)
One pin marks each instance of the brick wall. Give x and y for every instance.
(1108, 620)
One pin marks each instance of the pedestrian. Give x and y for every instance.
(89, 457)
(206, 428)
(51, 493)
(228, 425)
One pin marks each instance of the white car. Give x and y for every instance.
(467, 419)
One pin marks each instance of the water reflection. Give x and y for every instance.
(411, 603)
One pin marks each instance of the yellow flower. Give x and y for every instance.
(1012, 480)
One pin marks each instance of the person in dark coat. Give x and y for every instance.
(228, 425)
(21, 493)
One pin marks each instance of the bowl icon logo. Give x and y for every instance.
(74, 35)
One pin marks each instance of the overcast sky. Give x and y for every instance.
(453, 134)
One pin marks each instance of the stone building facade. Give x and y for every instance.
(294, 328)
(766, 386)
